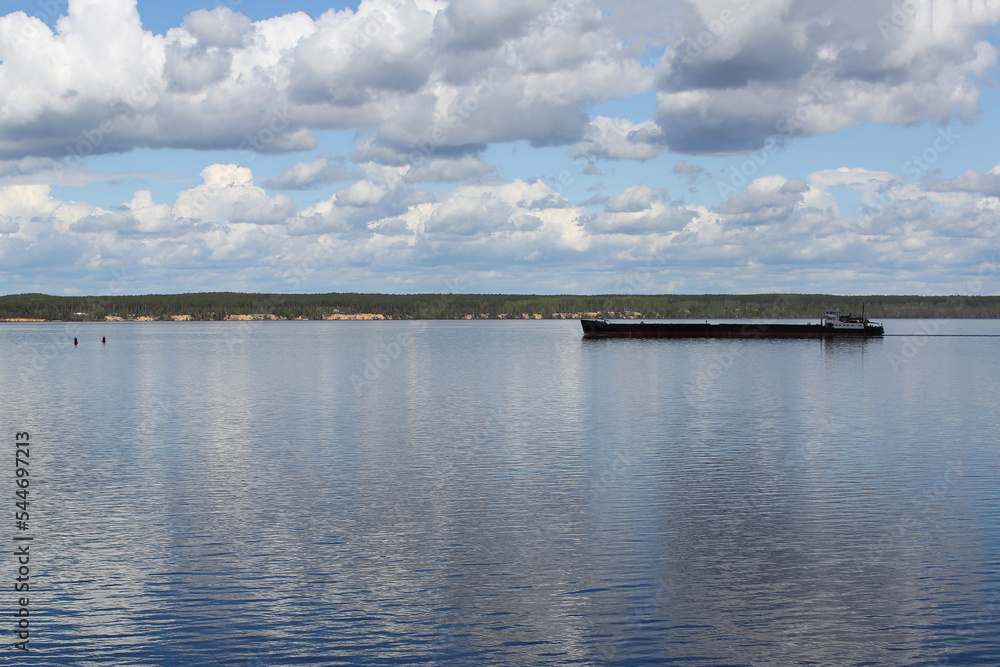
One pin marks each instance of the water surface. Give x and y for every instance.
(506, 493)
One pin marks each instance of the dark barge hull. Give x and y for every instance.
(603, 329)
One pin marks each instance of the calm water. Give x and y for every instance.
(503, 493)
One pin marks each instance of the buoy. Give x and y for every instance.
(104, 339)
(76, 342)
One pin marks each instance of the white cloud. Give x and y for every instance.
(971, 181)
(313, 174)
(417, 73)
(221, 27)
(35, 203)
(362, 193)
(191, 70)
(620, 139)
(767, 200)
(388, 232)
(444, 79)
(152, 218)
(745, 71)
(322, 218)
(635, 199)
(469, 215)
(228, 195)
(639, 211)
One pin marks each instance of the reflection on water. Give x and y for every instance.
(505, 493)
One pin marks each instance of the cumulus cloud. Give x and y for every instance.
(390, 227)
(418, 74)
(468, 215)
(158, 219)
(228, 195)
(189, 70)
(220, 27)
(620, 139)
(352, 211)
(313, 174)
(640, 210)
(325, 218)
(440, 80)
(224, 226)
(36, 204)
(635, 199)
(486, 24)
(362, 193)
(767, 200)
(971, 181)
(743, 72)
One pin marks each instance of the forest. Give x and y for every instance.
(223, 305)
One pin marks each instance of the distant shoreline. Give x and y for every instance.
(221, 306)
(268, 317)
(459, 319)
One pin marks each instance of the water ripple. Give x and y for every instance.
(505, 493)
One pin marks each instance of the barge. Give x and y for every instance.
(832, 324)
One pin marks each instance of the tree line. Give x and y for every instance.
(220, 305)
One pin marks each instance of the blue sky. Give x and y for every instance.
(694, 146)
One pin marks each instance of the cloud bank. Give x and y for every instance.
(429, 87)
(413, 72)
(383, 235)
(435, 76)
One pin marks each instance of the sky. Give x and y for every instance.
(500, 146)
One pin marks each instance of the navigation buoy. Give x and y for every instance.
(104, 339)
(76, 342)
